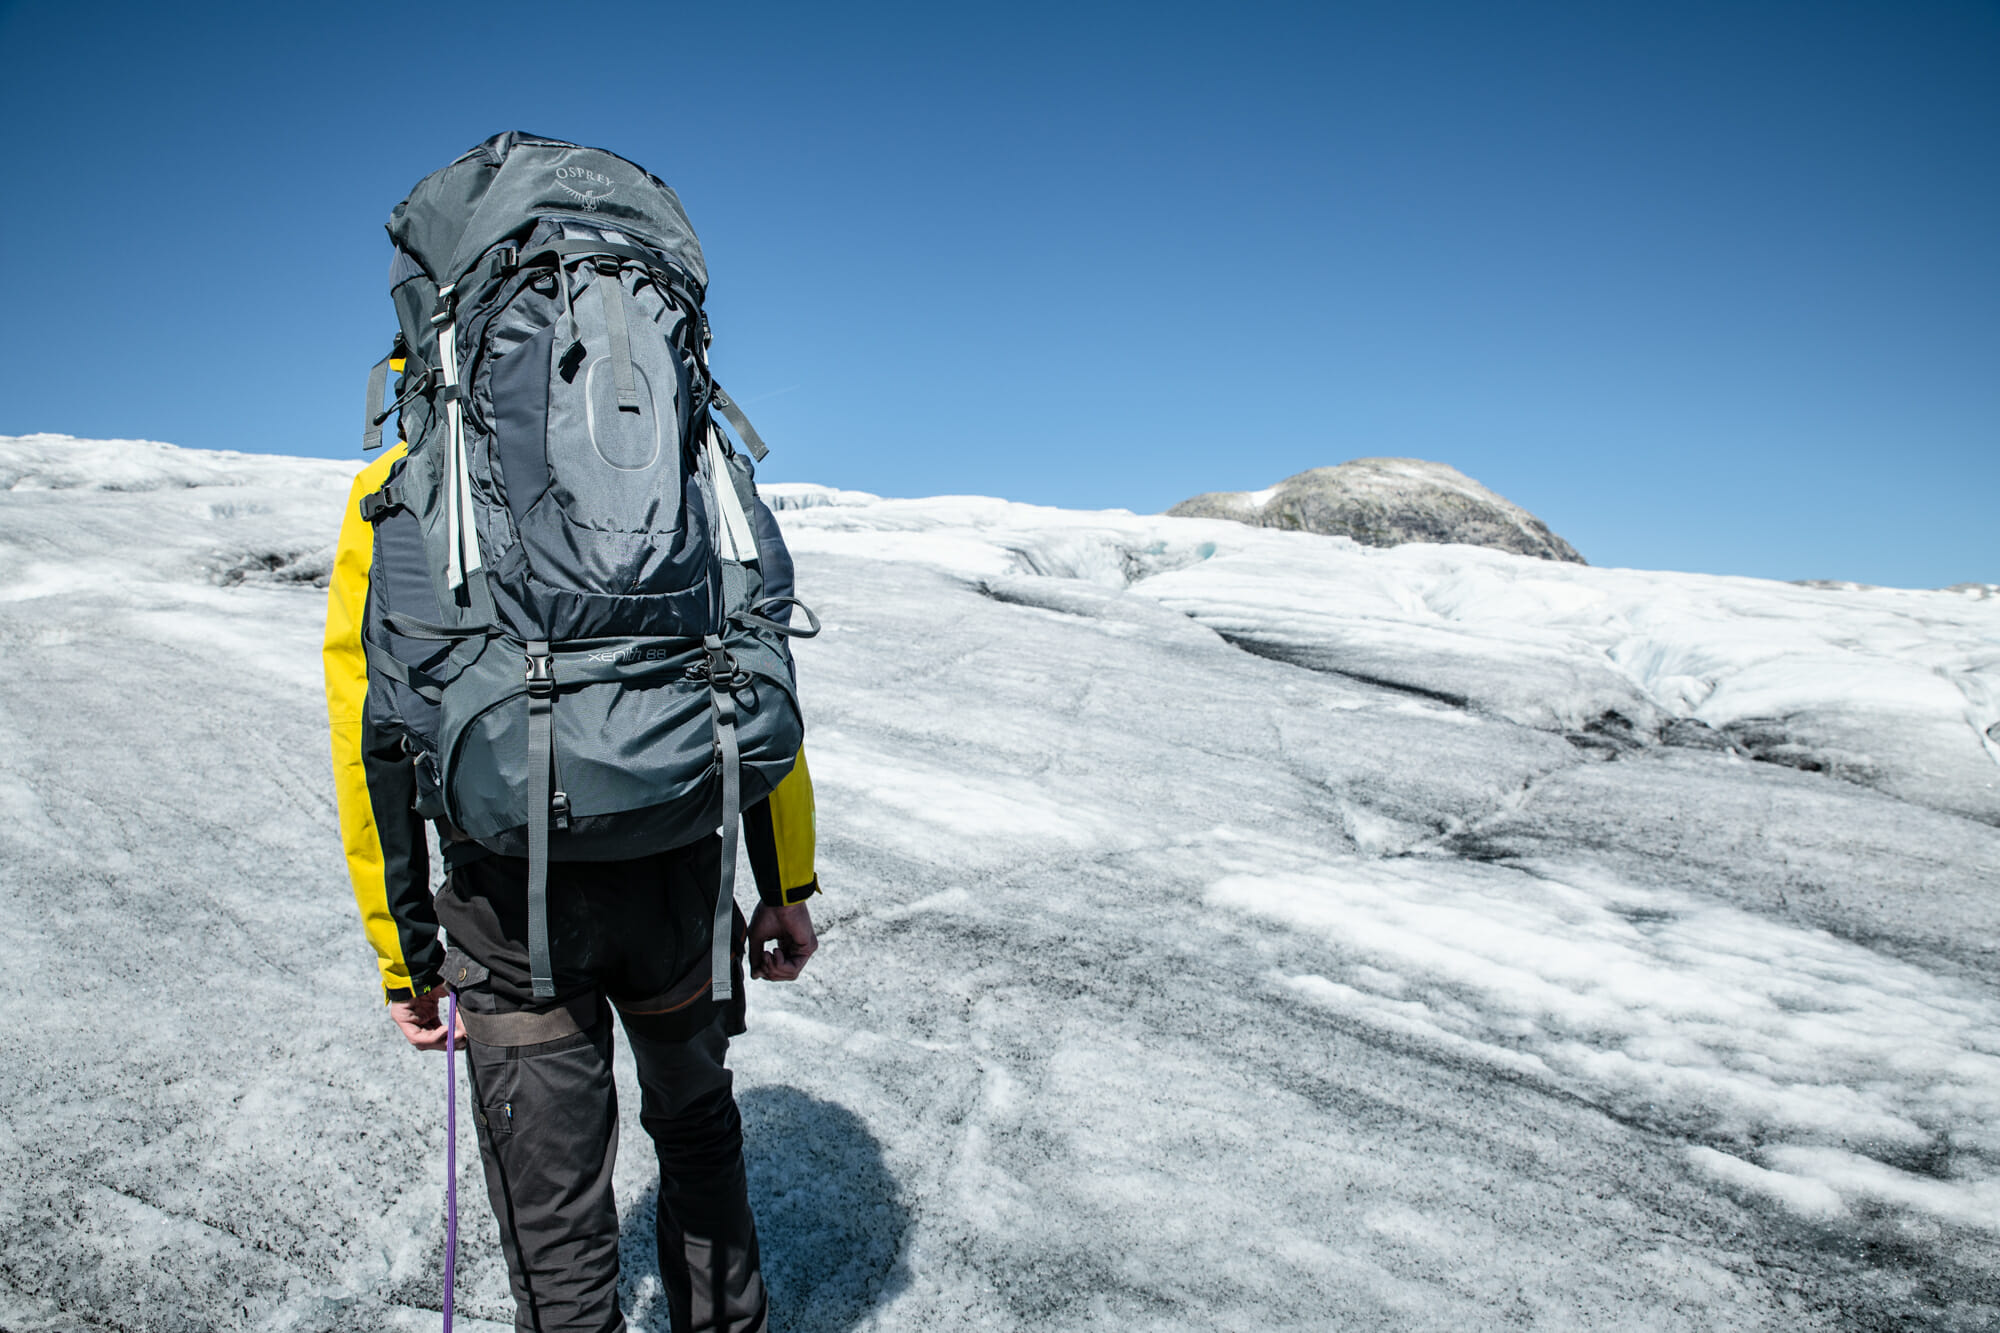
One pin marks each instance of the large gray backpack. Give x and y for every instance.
(578, 607)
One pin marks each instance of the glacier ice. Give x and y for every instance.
(1225, 928)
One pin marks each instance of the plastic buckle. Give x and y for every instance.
(442, 313)
(541, 676)
(607, 265)
(559, 809)
(718, 671)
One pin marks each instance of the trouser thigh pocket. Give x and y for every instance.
(558, 1089)
(544, 1063)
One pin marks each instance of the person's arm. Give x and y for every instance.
(388, 858)
(780, 836)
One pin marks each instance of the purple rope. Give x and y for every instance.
(450, 1155)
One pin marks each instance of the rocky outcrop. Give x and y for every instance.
(1386, 502)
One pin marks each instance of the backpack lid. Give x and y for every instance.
(458, 212)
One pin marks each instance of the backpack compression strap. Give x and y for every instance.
(372, 414)
(723, 677)
(541, 759)
(612, 291)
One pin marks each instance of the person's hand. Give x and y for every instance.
(418, 1020)
(791, 930)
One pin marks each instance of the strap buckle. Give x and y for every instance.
(559, 810)
(718, 670)
(446, 307)
(377, 503)
(734, 679)
(541, 675)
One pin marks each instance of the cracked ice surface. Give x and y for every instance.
(1894, 688)
(1225, 929)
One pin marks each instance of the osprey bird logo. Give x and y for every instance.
(589, 189)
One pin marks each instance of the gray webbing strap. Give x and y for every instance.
(541, 752)
(720, 669)
(527, 1028)
(744, 430)
(621, 340)
(371, 416)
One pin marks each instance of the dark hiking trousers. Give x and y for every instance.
(630, 936)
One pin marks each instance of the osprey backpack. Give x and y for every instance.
(578, 607)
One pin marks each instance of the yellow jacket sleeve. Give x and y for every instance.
(779, 835)
(388, 856)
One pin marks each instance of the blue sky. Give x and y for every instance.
(1708, 286)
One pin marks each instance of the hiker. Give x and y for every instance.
(557, 631)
